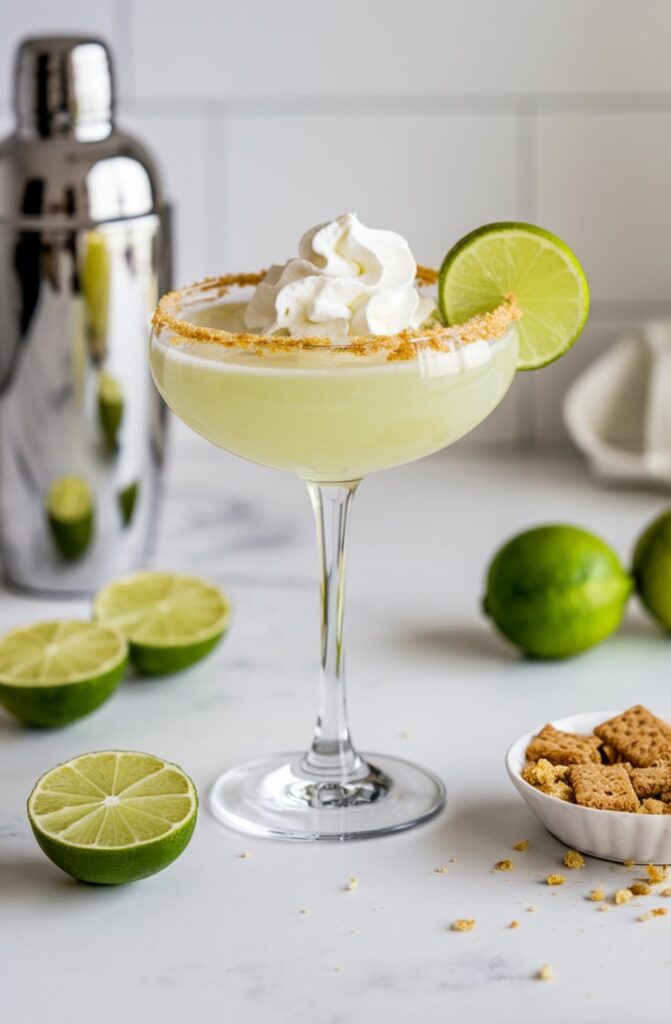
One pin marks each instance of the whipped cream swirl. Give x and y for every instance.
(347, 280)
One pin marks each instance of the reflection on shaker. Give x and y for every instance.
(110, 408)
(70, 515)
(94, 279)
(127, 499)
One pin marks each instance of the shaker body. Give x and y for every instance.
(77, 400)
(84, 256)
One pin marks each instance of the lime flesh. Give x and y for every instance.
(170, 621)
(52, 673)
(555, 591)
(113, 816)
(509, 258)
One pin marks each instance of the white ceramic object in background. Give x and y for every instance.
(618, 412)
(610, 835)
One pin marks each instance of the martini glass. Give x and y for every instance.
(330, 414)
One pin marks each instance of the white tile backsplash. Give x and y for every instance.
(429, 117)
(421, 176)
(603, 185)
(390, 47)
(179, 145)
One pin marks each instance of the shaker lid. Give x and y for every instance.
(63, 85)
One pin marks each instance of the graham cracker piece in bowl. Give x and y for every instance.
(604, 787)
(651, 781)
(638, 736)
(564, 747)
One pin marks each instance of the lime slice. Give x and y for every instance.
(69, 508)
(532, 264)
(52, 673)
(110, 407)
(114, 816)
(170, 621)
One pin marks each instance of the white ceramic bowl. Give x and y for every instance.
(611, 835)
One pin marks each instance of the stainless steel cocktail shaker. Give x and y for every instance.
(84, 255)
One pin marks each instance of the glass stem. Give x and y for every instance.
(332, 755)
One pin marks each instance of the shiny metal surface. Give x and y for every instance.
(84, 255)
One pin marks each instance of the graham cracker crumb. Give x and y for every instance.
(305, 912)
(532, 909)
(555, 880)
(246, 855)
(596, 895)
(573, 859)
(604, 906)
(665, 892)
(646, 916)
(453, 860)
(628, 863)
(659, 912)
(521, 846)
(514, 924)
(656, 873)
(622, 896)
(503, 865)
(546, 973)
(352, 884)
(640, 889)
(442, 870)
(463, 924)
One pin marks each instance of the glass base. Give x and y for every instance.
(278, 798)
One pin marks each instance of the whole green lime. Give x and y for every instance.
(652, 569)
(555, 591)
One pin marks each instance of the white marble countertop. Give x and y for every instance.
(220, 937)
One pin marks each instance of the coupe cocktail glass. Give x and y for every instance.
(331, 414)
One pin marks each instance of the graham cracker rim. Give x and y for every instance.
(168, 316)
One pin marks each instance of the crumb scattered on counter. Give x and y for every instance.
(665, 892)
(573, 859)
(546, 973)
(649, 914)
(622, 896)
(604, 906)
(405, 734)
(453, 860)
(463, 924)
(640, 888)
(442, 870)
(656, 873)
(532, 909)
(305, 912)
(555, 880)
(597, 895)
(503, 865)
(628, 863)
(514, 924)
(352, 884)
(521, 846)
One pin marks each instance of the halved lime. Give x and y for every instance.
(532, 264)
(52, 673)
(70, 511)
(113, 816)
(170, 621)
(110, 407)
